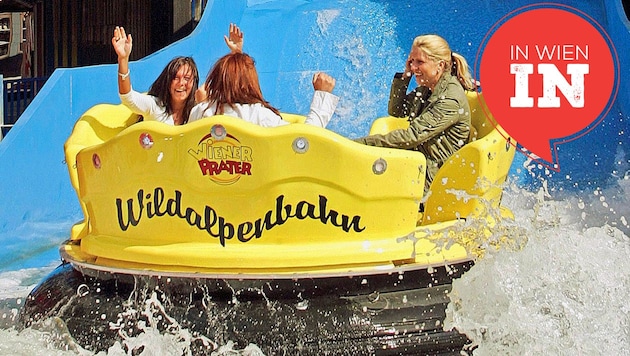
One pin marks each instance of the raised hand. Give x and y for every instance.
(235, 41)
(408, 72)
(122, 42)
(323, 82)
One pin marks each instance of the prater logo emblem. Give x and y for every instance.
(224, 160)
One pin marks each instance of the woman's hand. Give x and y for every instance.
(122, 45)
(323, 82)
(235, 41)
(408, 73)
(122, 42)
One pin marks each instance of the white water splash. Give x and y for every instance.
(51, 337)
(360, 38)
(566, 292)
(325, 17)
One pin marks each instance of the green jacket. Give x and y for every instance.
(439, 120)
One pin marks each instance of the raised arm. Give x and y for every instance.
(324, 101)
(235, 44)
(235, 39)
(323, 82)
(122, 44)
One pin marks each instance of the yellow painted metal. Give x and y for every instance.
(290, 196)
(470, 183)
(222, 196)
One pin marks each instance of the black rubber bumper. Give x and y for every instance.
(383, 314)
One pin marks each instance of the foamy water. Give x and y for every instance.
(564, 292)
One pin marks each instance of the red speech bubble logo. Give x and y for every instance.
(547, 74)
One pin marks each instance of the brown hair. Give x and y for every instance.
(234, 80)
(161, 87)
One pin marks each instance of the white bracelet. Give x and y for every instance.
(124, 76)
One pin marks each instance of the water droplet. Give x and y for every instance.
(373, 297)
(302, 305)
(83, 290)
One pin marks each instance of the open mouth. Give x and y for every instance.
(420, 77)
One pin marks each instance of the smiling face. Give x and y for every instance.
(427, 70)
(182, 84)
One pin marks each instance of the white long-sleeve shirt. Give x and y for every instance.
(322, 108)
(147, 106)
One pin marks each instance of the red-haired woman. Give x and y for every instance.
(233, 89)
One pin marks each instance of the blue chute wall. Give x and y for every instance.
(361, 43)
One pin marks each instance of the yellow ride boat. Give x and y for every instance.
(291, 238)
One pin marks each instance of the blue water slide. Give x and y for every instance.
(361, 43)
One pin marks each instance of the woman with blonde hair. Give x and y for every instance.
(437, 109)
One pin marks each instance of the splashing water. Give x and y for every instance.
(565, 292)
(362, 41)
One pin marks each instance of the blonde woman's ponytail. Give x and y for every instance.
(462, 72)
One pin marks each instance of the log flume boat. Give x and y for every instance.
(294, 239)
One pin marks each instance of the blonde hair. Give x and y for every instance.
(437, 48)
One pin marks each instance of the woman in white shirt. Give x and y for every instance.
(170, 98)
(233, 89)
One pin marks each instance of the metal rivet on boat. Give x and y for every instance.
(218, 132)
(300, 145)
(146, 141)
(96, 160)
(379, 166)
